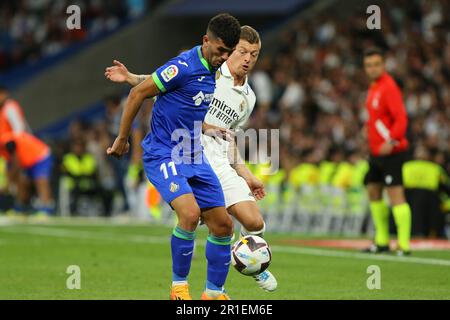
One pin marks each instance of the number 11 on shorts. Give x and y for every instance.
(171, 165)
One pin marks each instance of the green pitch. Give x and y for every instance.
(133, 262)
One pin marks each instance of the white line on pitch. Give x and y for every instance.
(360, 256)
(78, 234)
(67, 233)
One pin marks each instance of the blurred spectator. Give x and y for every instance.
(12, 118)
(86, 144)
(81, 178)
(424, 181)
(29, 160)
(32, 29)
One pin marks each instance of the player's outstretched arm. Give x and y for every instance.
(146, 89)
(119, 73)
(238, 164)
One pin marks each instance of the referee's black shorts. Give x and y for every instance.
(387, 170)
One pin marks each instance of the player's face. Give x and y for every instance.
(244, 58)
(216, 51)
(374, 66)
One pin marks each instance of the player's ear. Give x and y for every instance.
(205, 39)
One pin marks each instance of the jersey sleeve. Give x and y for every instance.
(398, 111)
(15, 118)
(171, 75)
(242, 122)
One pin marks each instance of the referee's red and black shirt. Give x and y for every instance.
(388, 119)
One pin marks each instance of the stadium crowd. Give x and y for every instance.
(33, 29)
(314, 87)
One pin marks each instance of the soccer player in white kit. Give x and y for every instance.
(229, 110)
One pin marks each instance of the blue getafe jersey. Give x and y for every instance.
(187, 84)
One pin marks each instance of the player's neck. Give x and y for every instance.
(203, 52)
(379, 78)
(239, 81)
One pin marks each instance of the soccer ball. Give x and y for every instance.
(251, 255)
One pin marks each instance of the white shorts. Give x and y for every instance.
(234, 187)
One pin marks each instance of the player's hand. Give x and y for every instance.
(117, 73)
(217, 132)
(386, 149)
(119, 148)
(257, 187)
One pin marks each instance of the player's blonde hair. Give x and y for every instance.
(250, 35)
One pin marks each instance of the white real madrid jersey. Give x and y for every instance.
(230, 108)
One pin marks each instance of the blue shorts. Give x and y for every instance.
(42, 169)
(173, 180)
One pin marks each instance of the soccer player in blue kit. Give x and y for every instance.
(173, 158)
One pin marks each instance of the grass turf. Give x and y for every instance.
(133, 262)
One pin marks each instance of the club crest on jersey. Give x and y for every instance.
(242, 106)
(169, 73)
(217, 74)
(174, 187)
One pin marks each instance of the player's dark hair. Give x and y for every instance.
(373, 51)
(225, 27)
(250, 35)
(3, 88)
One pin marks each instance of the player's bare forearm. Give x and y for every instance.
(255, 185)
(243, 171)
(119, 73)
(146, 89)
(130, 111)
(238, 163)
(135, 79)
